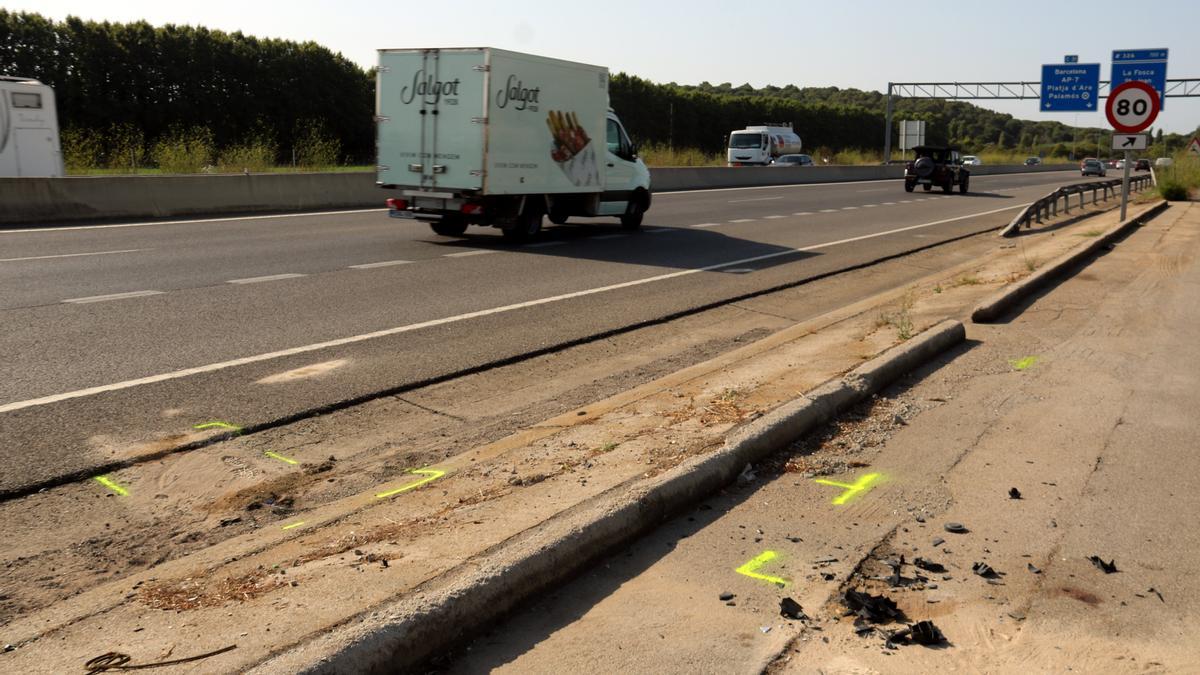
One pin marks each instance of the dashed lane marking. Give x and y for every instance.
(269, 277)
(703, 225)
(743, 220)
(382, 263)
(465, 254)
(73, 255)
(112, 296)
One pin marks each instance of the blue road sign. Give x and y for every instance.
(1070, 87)
(1146, 65)
(1071, 58)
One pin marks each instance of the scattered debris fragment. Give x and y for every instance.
(938, 541)
(765, 629)
(1033, 569)
(1014, 493)
(726, 596)
(956, 528)
(1017, 616)
(825, 560)
(1108, 567)
(919, 633)
(985, 570)
(1160, 597)
(790, 609)
(929, 565)
(873, 608)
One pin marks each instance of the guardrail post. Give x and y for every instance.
(1081, 199)
(1067, 202)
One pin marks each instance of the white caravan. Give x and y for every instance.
(484, 136)
(761, 145)
(29, 143)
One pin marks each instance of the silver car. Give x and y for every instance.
(793, 160)
(1092, 167)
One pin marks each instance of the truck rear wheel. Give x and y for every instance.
(528, 224)
(449, 227)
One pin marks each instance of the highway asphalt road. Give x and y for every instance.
(121, 337)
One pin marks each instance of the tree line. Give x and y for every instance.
(171, 94)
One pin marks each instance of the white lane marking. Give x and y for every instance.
(609, 236)
(546, 244)
(188, 222)
(849, 208)
(828, 210)
(73, 255)
(889, 203)
(382, 263)
(905, 201)
(803, 213)
(112, 296)
(756, 199)
(742, 220)
(702, 225)
(269, 277)
(869, 206)
(874, 190)
(339, 342)
(464, 254)
(773, 217)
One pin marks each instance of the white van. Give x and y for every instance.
(29, 143)
(483, 136)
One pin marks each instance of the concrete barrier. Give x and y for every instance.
(47, 201)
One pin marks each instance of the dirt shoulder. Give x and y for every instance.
(1083, 403)
(354, 523)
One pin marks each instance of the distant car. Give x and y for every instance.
(793, 160)
(971, 160)
(1142, 165)
(1033, 161)
(936, 166)
(1112, 163)
(1092, 167)
(1120, 164)
(1163, 161)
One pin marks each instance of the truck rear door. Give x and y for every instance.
(431, 118)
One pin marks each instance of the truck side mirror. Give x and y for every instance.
(633, 151)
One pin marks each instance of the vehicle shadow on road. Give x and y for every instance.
(567, 602)
(683, 248)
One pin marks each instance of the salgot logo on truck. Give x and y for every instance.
(430, 90)
(515, 90)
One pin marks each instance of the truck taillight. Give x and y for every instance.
(471, 209)
(397, 204)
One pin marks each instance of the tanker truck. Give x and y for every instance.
(759, 145)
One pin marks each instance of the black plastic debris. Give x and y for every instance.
(862, 628)
(938, 541)
(1160, 597)
(790, 609)
(873, 608)
(1108, 567)
(929, 565)
(1033, 569)
(919, 633)
(956, 528)
(1014, 493)
(985, 570)
(726, 596)
(895, 579)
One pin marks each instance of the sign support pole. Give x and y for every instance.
(1125, 184)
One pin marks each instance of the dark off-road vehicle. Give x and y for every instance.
(933, 166)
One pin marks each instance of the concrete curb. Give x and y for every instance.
(404, 633)
(1002, 302)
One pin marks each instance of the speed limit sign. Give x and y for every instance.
(1132, 107)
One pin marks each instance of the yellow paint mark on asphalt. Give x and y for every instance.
(108, 483)
(432, 475)
(1022, 364)
(750, 569)
(216, 424)
(281, 458)
(288, 527)
(864, 483)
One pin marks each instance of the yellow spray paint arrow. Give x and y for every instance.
(108, 483)
(750, 568)
(216, 424)
(433, 474)
(863, 484)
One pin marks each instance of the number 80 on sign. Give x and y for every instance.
(1132, 107)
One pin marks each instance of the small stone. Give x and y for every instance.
(956, 528)
(726, 596)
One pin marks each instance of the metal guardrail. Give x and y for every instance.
(1048, 206)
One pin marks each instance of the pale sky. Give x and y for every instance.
(844, 44)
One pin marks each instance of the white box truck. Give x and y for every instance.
(29, 143)
(483, 136)
(759, 145)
